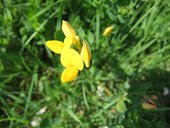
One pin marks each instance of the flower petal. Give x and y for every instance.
(76, 59)
(70, 57)
(86, 55)
(66, 57)
(55, 46)
(67, 29)
(69, 40)
(69, 74)
(107, 30)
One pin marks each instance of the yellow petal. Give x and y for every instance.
(70, 57)
(107, 31)
(65, 57)
(55, 46)
(69, 40)
(67, 29)
(76, 59)
(69, 74)
(86, 55)
(146, 105)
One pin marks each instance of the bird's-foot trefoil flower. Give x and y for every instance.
(73, 58)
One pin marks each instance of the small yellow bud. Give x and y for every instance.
(85, 55)
(107, 30)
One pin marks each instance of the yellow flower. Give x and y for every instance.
(70, 58)
(107, 30)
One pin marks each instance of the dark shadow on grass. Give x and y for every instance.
(148, 82)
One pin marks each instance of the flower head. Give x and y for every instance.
(73, 58)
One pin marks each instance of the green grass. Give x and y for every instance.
(131, 62)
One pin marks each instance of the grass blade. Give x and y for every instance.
(33, 81)
(70, 112)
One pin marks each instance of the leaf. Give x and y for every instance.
(70, 112)
(162, 124)
(120, 118)
(46, 123)
(112, 16)
(121, 19)
(84, 97)
(57, 121)
(7, 14)
(59, 35)
(42, 11)
(81, 32)
(145, 124)
(112, 102)
(90, 37)
(120, 106)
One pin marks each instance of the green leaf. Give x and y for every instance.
(57, 121)
(112, 102)
(162, 124)
(7, 14)
(70, 112)
(84, 96)
(112, 16)
(46, 123)
(59, 35)
(120, 118)
(42, 11)
(90, 37)
(145, 124)
(121, 19)
(81, 32)
(120, 106)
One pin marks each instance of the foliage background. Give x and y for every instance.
(131, 62)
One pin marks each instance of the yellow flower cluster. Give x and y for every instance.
(72, 59)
